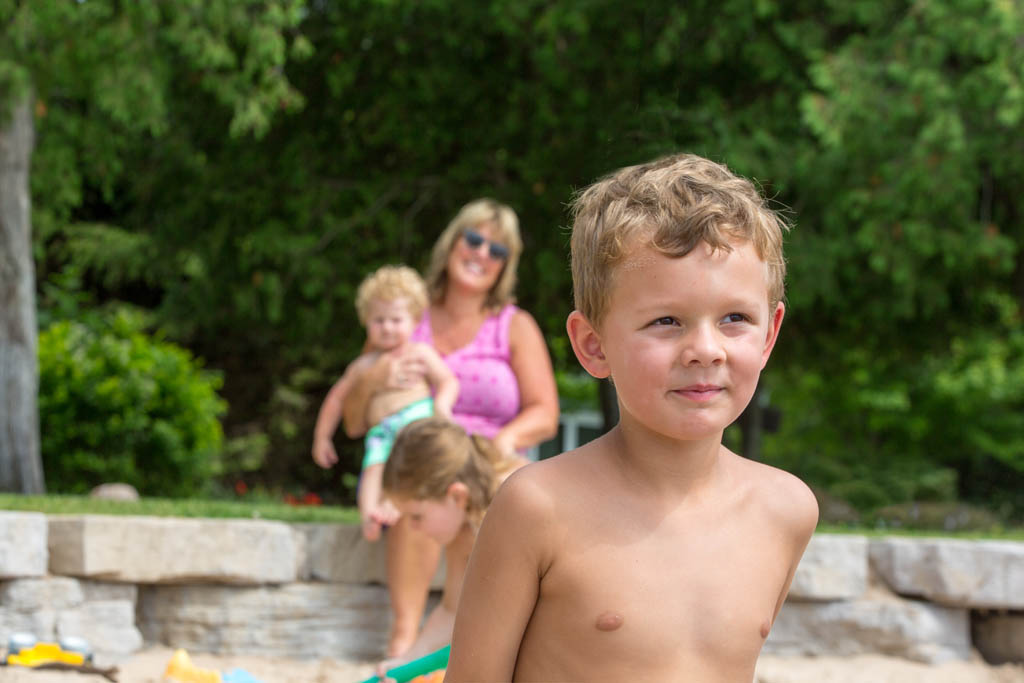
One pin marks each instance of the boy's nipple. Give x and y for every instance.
(608, 621)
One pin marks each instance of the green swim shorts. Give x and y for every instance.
(381, 436)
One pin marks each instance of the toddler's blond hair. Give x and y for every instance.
(390, 283)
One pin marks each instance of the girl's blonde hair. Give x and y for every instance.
(430, 455)
(506, 225)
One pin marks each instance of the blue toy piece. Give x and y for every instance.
(239, 676)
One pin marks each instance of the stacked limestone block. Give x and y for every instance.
(837, 607)
(237, 586)
(55, 607)
(985, 577)
(253, 586)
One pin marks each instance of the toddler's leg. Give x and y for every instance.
(368, 497)
(412, 561)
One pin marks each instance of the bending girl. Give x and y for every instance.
(442, 480)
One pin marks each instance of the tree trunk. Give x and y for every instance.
(609, 404)
(751, 422)
(21, 468)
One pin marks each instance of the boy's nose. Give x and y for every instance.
(703, 347)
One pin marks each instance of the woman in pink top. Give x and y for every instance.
(507, 385)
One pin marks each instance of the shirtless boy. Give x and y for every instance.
(390, 303)
(652, 553)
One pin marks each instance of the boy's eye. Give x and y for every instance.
(735, 318)
(665, 321)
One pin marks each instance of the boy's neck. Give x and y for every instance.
(666, 465)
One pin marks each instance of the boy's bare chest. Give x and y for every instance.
(664, 600)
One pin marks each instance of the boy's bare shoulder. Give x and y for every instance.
(541, 489)
(781, 495)
(533, 487)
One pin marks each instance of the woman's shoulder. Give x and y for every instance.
(522, 327)
(422, 332)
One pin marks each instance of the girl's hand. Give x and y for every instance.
(505, 442)
(385, 666)
(386, 514)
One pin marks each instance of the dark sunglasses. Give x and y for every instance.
(497, 252)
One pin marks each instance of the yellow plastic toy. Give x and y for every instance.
(181, 670)
(45, 653)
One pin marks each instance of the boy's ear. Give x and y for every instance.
(773, 332)
(586, 344)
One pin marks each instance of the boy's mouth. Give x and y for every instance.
(699, 392)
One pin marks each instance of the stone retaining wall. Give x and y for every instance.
(313, 590)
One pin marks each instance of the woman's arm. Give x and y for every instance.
(330, 413)
(388, 372)
(537, 420)
(358, 398)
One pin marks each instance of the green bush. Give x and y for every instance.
(116, 404)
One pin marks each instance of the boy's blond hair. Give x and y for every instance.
(389, 283)
(471, 215)
(431, 454)
(671, 205)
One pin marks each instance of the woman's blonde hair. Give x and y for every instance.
(390, 283)
(430, 455)
(506, 225)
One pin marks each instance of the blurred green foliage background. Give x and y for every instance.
(888, 132)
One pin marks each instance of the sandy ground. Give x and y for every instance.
(148, 666)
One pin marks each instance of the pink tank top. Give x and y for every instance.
(488, 390)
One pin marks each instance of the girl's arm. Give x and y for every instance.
(441, 379)
(537, 420)
(512, 552)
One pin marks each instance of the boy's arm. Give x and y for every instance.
(800, 518)
(330, 414)
(502, 582)
(441, 379)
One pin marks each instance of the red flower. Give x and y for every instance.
(241, 488)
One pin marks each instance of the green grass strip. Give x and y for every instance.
(183, 507)
(992, 534)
